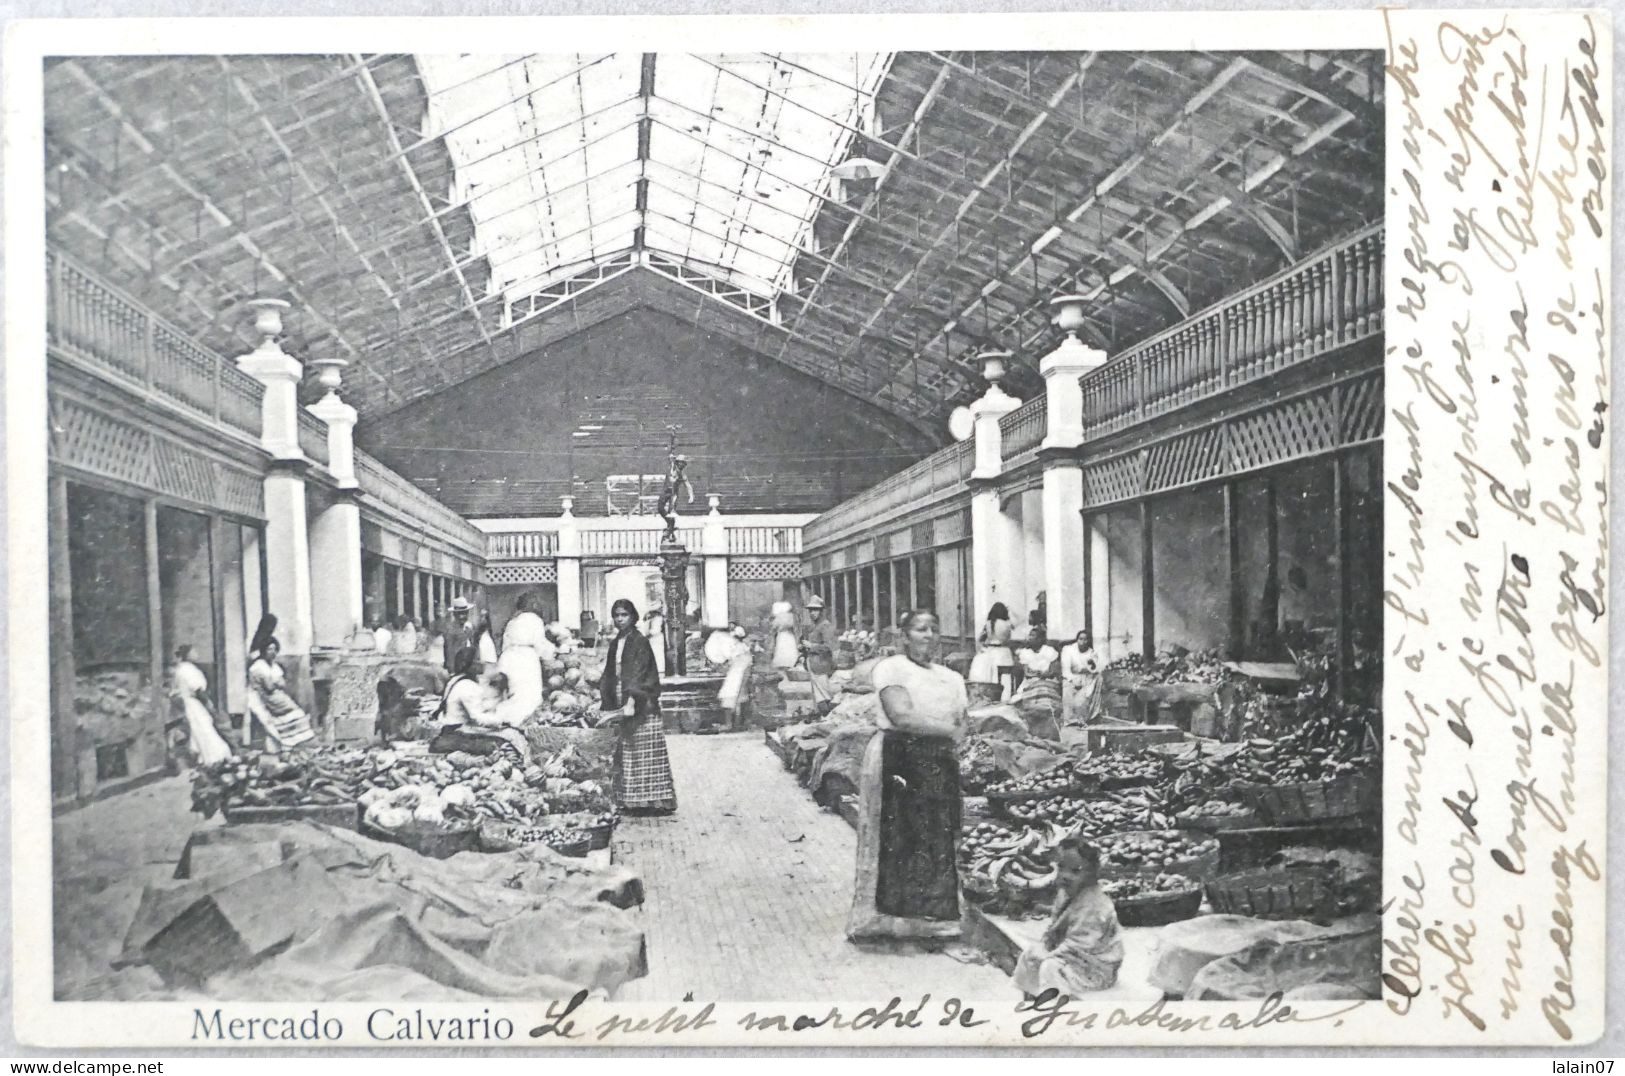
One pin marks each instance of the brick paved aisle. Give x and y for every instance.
(747, 888)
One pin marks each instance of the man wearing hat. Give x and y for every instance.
(459, 633)
(818, 641)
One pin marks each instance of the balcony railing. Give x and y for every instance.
(103, 327)
(521, 545)
(764, 541)
(623, 543)
(1023, 429)
(313, 437)
(1326, 302)
(395, 492)
(941, 472)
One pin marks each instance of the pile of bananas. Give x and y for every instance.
(996, 860)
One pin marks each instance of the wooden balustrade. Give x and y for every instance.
(1023, 429)
(103, 327)
(764, 541)
(1325, 302)
(313, 437)
(521, 545)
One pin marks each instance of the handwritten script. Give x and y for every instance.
(1497, 521)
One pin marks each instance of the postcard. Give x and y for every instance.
(1047, 530)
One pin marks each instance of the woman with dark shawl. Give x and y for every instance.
(630, 693)
(908, 796)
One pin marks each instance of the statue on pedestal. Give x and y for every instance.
(676, 465)
(674, 558)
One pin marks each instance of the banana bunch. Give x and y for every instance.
(997, 860)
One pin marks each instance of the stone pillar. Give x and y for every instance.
(335, 534)
(714, 547)
(991, 545)
(1064, 540)
(567, 563)
(287, 537)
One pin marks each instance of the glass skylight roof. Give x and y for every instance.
(547, 154)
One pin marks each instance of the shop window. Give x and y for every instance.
(866, 597)
(113, 701)
(1191, 577)
(951, 585)
(837, 583)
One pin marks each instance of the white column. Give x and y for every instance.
(714, 547)
(335, 534)
(991, 538)
(1063, 483)
(287, 537)
(287, 556)
(568, 565)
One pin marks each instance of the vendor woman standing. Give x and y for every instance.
(630, 692)
(908, 826)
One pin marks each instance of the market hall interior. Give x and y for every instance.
(377, 383)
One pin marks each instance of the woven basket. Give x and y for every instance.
(1311, 801)
(1159, 909)
(1275, 893)
(599, 836)
(1205, 865)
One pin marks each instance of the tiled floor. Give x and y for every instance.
(747, 890)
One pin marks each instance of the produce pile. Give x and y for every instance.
(1121, 771)
(1146, 885)
(301, 779)
(1054, 781)
(1212, 809)
(552, 836)
(493, 786)
(570, 692)
(1158, 850)
(998, 861)
(1175, 667)
(1093, 816)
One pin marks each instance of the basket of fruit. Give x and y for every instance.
(601, 831)
(1155, 901)
(1276, 893)
(1111, 772)
(1007, 870)
(503, 837)
(1216, 815)
(1159, 851)
(1297, 802)
(1058, 781)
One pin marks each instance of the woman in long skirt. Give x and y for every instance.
(284, 722)
(629, 690)
(908, 825)
(191, 687)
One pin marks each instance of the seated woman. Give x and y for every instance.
(467, 716)
(1082, 947)
(909, 804)
(269, 703)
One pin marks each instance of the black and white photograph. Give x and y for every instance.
(790, 530)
